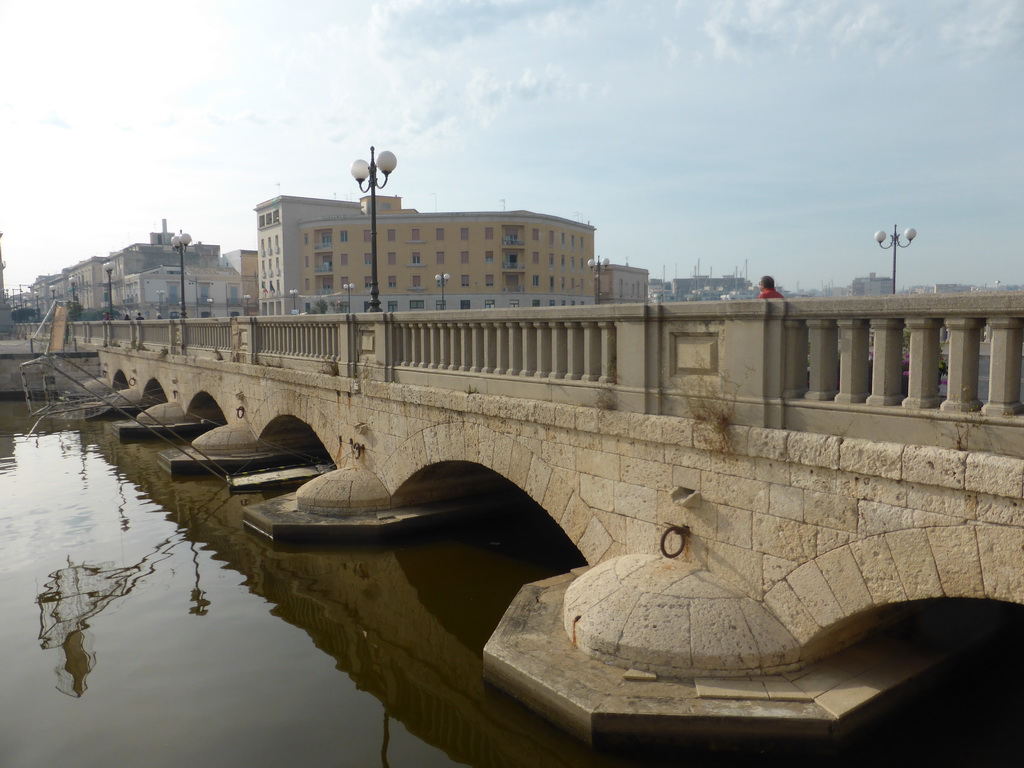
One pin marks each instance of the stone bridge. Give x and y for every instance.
(757, 487)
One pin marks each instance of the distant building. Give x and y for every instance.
(621, 284)
(493, 258)
(872, 285)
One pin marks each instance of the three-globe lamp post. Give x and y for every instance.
(362, 172)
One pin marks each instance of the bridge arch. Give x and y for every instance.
(204, 406)
(292, 434)
(119, 381)
(436, 452)
(153, 393)
(840, 594)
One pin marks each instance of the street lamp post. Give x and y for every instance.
(109, 269)
(72, 313)
(247, 298)
(180, 243)
(348, 289)
(209, 301)
(596, 265)
(295, 295)
(895, 243)
(441, 281)
(367, 172)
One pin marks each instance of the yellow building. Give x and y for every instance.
(310, 249)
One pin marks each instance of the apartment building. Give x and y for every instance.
(311, 249)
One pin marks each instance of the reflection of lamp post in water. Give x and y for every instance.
(880, 236)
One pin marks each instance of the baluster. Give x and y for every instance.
(964, 351)
(529, 346)
(515, 349)
(591, 351)
(477, 351)
(887, 372)
(854, 368)
(490, 354)
(795, 359)
(609, 353)
(543, 331)
(823, 336)
(1004, 367)
(559, 351)
(501, 338)
(923, 386)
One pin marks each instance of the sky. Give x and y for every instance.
(737, 136)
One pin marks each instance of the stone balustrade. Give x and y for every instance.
(942, 370)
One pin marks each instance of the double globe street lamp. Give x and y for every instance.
(597, 265)
(180, 243)
(441, 281)
(362, 172)
(348, 289)
(895, 243)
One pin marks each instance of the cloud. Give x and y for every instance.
(488, 97)
(55, 120)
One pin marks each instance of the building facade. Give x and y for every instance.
(492, 259)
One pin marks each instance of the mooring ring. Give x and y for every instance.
(683, 533)
(240, 411)
(131, 382)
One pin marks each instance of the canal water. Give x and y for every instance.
(140, 624)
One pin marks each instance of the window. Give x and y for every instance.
(535, 303)
(563, 240)
(536, 234)
(489, 257)
(551, 284)
(488, 303)
(513, 302)
(366, 236)
(415, 233)
(343, 259)
(439, 234)
(416, 281)
(536, 257)
(343, 236)
(439, 304)
(464, 304)
(572, 242)
(392, 281)
(464, 257)
(392, 306)
(488, 233)
(440, 257)
(368, 259)
(464, 233)
(536, 281)
(305, 239)
(416, 257)
(551, 261)
(367, 281)
(391, 235)
(416, 304)
(392, 258)
(344, 279)
(551, 237)
(489, 280)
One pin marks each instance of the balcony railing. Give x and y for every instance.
(516, 266)
(322, 245)
(323, 268)
(513, 241)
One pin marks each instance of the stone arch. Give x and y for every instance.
(842, 595)
(153, 393)
(203, 406)
(119, 381)
(292, 434)
(460, 443)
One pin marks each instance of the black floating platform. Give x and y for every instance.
(279, 519)
(133, 430)
(188, 461)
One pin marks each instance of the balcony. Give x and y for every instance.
(513, 241)
(514, 289)
(324, 268)
(323, 245)
(515, 266)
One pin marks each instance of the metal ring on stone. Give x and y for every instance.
(131, 382)
(240, 411)
(683, 532)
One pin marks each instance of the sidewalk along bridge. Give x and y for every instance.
(759, 488)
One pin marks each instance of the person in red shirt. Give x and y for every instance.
(767, 286)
